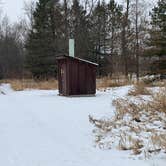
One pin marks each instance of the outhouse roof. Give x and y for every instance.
(76, 58)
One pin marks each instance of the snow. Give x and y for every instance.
(40, 128)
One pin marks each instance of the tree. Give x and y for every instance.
(66, 25)
(79, 30)
(11, 49)
(114, 25)
(158, 36)
(158, 31)
(137, 40)
(105, 35)
(99, 33)
(29, 8)
(134, 32)
(42, 43)
(124, 35)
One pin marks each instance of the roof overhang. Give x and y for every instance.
(75, 58)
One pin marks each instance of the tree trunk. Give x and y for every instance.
(124, 39)
(137, 42)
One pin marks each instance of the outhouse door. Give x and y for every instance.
(63, 78)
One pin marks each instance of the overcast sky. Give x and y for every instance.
(14, 8)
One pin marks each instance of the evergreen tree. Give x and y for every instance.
(158, 32)
(114, 28)
(100, 34)
(79, 30)
(124, 38)
(105, 34)
(42, 42)
(158, 37)
(65, 22)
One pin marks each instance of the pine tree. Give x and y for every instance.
(42, 40)
(100, 34)
(105, 34)
(125, 29)
(79, 30)
(65, 22)
(114, 28)
(158, 37)
(158, 32)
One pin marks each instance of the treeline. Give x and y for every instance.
(11, 48)
(121, 38)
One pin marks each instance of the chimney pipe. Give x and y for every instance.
(71, 47)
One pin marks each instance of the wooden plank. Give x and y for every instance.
(76, 77)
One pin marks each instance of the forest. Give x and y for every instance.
(127, 38)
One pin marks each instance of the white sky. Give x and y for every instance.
(14, 8)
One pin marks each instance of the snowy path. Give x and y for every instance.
(40, 128)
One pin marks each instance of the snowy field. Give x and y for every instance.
(40, 128)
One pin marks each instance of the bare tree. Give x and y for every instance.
(29, 8)
(89, 5)
(11, 49)
(125, 26)
(137, 40)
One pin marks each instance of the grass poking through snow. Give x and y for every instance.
(138, 125)
(139, 89)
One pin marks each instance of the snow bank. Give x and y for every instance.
(5, 89)
(41, 128)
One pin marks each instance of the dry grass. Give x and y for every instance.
(139, 89)
(138, 125)
(106, 82)
(124, 106)
(127, 142)
(159, 141)
(151, 82)
(18, 84)
(158, 102)
(21, 84)
(159, 83)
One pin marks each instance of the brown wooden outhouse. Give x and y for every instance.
(76, 76)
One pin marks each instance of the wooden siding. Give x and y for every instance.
(76, 77)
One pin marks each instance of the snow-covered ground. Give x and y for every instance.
(40, 128)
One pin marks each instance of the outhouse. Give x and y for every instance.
(76, 76)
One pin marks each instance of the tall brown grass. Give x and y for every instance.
(158, 102)
(21, 84)
(139, 89)
(107, 82)
(135, 117)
